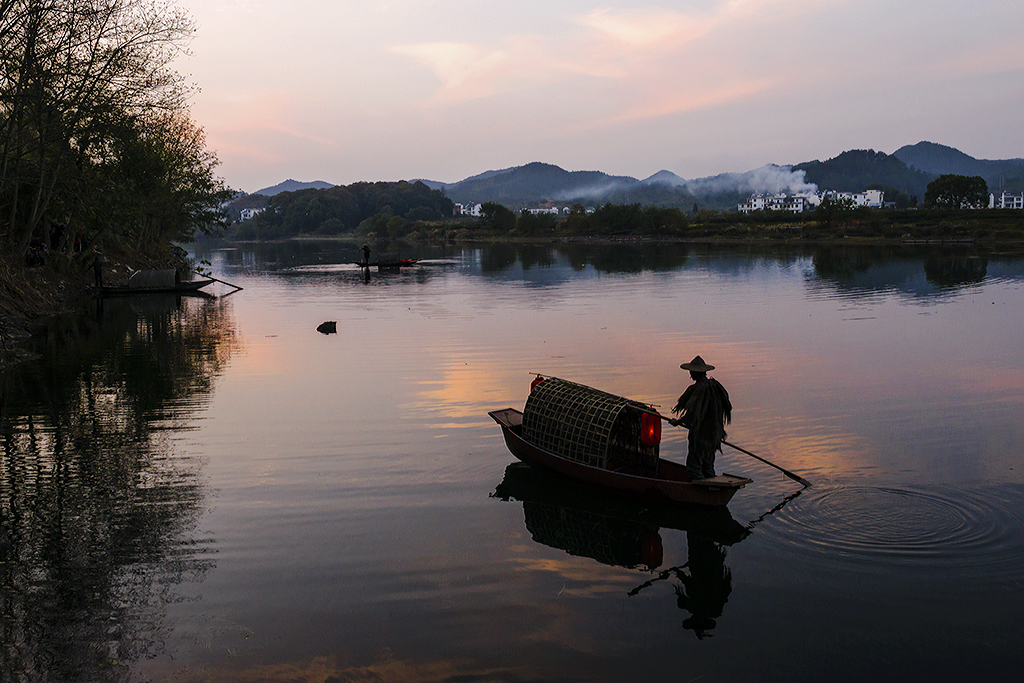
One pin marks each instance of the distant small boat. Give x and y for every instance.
(388, 260)
(603, 440)
(158, 282)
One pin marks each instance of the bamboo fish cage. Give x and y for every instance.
(589, 426)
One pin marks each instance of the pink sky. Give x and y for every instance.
(445, 89)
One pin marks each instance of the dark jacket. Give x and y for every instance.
(705, 409)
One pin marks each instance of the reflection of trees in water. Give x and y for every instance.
(842, 263)
(953, 271)
(627, 257)
(879, 268)
(97, 512)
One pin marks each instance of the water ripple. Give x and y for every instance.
(935, 527)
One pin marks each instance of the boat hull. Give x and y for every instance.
(672, 483)
(183, 287)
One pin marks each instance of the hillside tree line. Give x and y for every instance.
(388, 209)
(97, 144)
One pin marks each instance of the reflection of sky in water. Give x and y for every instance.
(356, 537)
(829, 375)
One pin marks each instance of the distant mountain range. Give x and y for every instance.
(940, 160)
(908, 170)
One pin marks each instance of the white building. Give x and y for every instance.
(778, 202)
(869, 198)
(467, 210)
(247, 214)
(806, 202)
(1006, 200)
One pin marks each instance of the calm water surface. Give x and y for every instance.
(211, 490)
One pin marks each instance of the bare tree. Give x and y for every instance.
(77, 76)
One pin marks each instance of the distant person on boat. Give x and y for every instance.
(97, 270)
(704, 409)
(366, 254)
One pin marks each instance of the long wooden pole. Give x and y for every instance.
(237, 288)
(794, 477)
(789, 474)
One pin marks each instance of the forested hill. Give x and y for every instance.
(344, 208)
(858, 169)
(293, 186)
(940, 160)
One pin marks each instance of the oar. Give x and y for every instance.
(237, 288)
(210, 277)
(789, 474)
(381, 251)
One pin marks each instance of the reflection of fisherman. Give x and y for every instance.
(366, 254)
(97, 270)
(704, 591)
(704, 409)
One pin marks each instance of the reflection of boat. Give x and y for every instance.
(579, 529)
(158, 282)
(606, 441)
(536, 489)
(622, 532)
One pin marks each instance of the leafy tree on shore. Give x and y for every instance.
(534, 225)
(94, 124)
(497, 218)
(957, 192)
(628, 219)
(830, 209)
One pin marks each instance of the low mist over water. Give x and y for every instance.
(209, 489)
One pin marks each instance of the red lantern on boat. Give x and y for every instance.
(650, 429)
(536, 380)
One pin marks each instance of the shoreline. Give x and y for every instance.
(30, 295)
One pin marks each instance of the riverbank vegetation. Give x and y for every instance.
(98, 152)
(413, 211)
(97, 144)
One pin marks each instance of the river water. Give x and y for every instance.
(211, 490)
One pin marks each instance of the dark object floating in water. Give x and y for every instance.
(328, 327)
(604, 440)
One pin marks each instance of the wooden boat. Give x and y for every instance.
(604, 441)
(389, 260)
(158, 282)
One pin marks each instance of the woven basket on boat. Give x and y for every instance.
(590, 426)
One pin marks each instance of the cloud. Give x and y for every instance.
(640, 28)
(625, 64)
(455, 63)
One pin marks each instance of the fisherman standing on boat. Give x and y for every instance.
(704, 409)
(366, 254)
